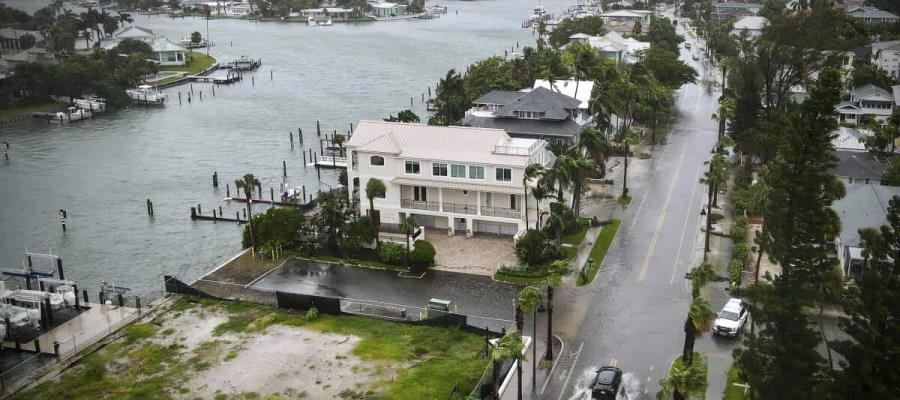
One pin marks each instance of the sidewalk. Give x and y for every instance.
(543, 368)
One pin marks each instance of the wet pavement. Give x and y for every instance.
(632, 315)
(471, 295)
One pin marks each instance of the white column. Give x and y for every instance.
(521, 203)
(451, 224)
(441, 200)
(470, 226)
(478, 202)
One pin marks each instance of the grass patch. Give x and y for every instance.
(577, 237)
(733, 392)
(525, 276)
(196, 63)
(365, 263)
(137, 332)
(598, 252)
(624, 200)
(16, 111)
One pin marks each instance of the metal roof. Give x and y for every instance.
(527, 127)
(553, 105)
(859, 165)
(864, 206)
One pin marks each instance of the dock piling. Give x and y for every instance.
(271, 75)
(214, 90)
(410, 101)
(59, 269)
(304, 193)
(192, 88)
(272, 196)
(149, 207)
(214, 215)
(318, 129)
(253, 80)
(429, 92)
(304, 159)
(284, 167)
(201, 95)
(220, 210)
(227, 191)
(199, 210)
(215, 179)
(179, 98)
(300, 135)
(291, 136)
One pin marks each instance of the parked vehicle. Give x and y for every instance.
(687, 45)
(731, 319)
(606, 384)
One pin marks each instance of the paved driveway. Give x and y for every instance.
(480, 255)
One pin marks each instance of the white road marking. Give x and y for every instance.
(684, 229)
(569, 376)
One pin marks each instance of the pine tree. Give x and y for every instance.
(873, 304)
(781, 362)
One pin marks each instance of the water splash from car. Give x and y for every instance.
(630, 389)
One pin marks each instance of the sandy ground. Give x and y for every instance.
(455, 254)
(289, 361)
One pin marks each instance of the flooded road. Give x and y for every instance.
(102, 171)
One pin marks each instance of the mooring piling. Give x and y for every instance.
(271, 75)
(179, 98)
(227, 190)
(215, 177)
(201, 95)
(214, 90)
(149, 207)
(253, 80)
(318, 129)
(62, 220)
(284, 167)
(220, 210)
(304, 158)
(291, 136)
(199, 210)
(300, 135)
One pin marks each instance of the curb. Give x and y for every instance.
(562, 347)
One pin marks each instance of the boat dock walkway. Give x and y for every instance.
(83, 330)
(219, 80)
(277, 203)
(328, 162)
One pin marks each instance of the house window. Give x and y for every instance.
(504, 175)
(376, 161)
(512, 202)
(439, 169)
(529, 114)
(381, 195)
(476, 172)
(457, 171)
(412, 167)
(420, 193)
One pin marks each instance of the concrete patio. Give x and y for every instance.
(479, 255)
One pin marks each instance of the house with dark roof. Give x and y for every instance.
(859, 167)
(873, 15)
(865, 102)
(538, 114)
(864, 206)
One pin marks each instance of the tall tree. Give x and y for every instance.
(451, 100)
(781, 362)
(532, 173)
(556, 271)
(528, 301)
(375, 188)
(246, 184)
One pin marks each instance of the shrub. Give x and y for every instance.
(530, 248)
(312, 313)
(422, 255)
(734, 271)
(741, 222)
(740, 252)
(392, 253)
(738, 233)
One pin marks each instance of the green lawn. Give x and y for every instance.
(16, 111)
(197, 63)
(733, 392)
(577, 237)
(134, 367)
(520, 278)
(601, 246)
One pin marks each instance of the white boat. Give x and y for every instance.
(91, 103)
(67, 293)
(18, 316)
(312, 21)
(190, 44)
(146, 94)
(243, 63)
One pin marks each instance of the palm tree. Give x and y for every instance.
(539, 192)
(375, 188)
(507, 347)
(409, 225)
(556, 219)
(595, 146)
(700, 317)
(528, 301)
(680, 379)
(712, 178)
(726, 112)
(247, 183)
(556, 271)
(700, 276)
(629, 139)
(574, 168)
(125, 17)
(757, 199)
(339, 139)
(532, 171)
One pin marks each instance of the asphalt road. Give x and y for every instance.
(632, 315)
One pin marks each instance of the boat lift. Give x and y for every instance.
(28, 272)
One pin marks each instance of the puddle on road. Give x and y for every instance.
(630, 389)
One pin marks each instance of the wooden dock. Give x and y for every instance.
(218, 80)
(277, 203)
(198, 216)
(328, 162)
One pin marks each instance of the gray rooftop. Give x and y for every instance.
(553, 105)
(892, 45)
(872, 93)
(859, 165)
(870, 12)
(502, 97)
(531, 128)
(864, 206)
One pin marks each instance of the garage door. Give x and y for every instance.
(496, 228)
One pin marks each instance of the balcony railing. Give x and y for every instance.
(500, 212)
(461, 208)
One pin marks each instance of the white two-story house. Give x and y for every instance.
(867, 101)
(455, 179)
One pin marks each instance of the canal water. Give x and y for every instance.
(103, 170)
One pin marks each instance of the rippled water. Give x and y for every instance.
(103, 170)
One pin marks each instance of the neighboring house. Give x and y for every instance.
(849, 139)
(895, 90)
(725, 10)
(9, 38)
(387, 10)
(33, 55)
(578, 90)
(753, 25)
(886, 55)
(135, 32)
(864, 206)
(335, 13)
(635, 16)
(624, 28)
(867, 101)
(168, 53)
(859, 167)
(450, 178)
(872, 15)
(537, 114)
(613, 46)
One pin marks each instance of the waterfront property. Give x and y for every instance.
(168, 53)
(864, 206)
(725, 10)
(872, 15)
(134, 32)
(537, 114)
(865, 102)
(387, 10)
(333, 13)
(752, 25)
(886, 55)
(450, 178)
(10, 39)
(613, 46)
(632, 17)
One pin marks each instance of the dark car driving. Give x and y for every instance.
(606, 384)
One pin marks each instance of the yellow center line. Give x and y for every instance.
(662, 215)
